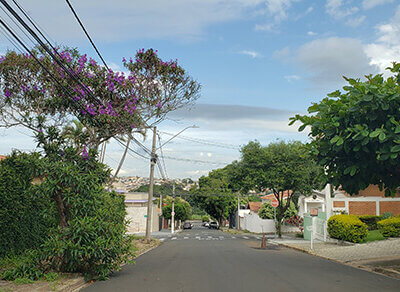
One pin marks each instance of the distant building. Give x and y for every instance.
(2, 157)
(136, 208)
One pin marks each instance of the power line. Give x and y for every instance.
(87, 34)
(205, 142)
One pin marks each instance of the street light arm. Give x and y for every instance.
(169, 140)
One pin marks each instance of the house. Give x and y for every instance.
(370, 201)
(254, 207)
(136, 209)
(2, 157)
(270, 197)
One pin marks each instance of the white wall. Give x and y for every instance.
(253, 223)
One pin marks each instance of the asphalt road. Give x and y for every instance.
(209, 260)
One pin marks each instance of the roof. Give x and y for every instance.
(254, 206)
(2, 157)
(272, 196)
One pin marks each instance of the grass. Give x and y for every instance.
(373, 235)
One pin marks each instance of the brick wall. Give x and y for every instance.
(339, 204)
(373, 191)
(393, 207)
(362, 208)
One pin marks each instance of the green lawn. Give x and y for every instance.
(374, 235)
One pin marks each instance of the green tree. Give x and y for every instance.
(267, 211)
(213, 194)
(182, 209)
(355, 134)
(281, 168)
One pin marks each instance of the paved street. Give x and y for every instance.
(209, 260)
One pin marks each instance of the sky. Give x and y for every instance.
(259, 62)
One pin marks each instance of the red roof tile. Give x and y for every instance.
(254, 206)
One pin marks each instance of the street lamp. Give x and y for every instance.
(188, 127)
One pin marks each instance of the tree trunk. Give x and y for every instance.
(61, 211)
(122, 160)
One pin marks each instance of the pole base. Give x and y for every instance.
(263, 242)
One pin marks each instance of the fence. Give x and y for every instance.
(317, 229)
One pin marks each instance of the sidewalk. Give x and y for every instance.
(389, 248)
(156, 234)
(378, 256)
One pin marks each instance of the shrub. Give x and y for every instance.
(26, 214)
(347, 227)
(371, 221)
(387, 215)
(390, 227)
(205, 218)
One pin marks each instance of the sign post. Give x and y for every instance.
(274, 203)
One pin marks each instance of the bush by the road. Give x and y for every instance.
(390, 227)
(347, 227)
(26, 214)
(205, 218)
(371, 221)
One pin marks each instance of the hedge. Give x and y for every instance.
(371, 221)
(347, 227)
(390, 227)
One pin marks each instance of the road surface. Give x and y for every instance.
(210, 260)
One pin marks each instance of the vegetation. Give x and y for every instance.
(390, 227)
(182, 209)
(215, 196)
(355, 135)
(371, 221)
(347, 227)
(283, 168)
(267, 211)
(374, 235)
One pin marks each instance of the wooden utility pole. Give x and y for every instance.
(153, 161)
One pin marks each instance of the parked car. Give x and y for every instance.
(213, 225)
(206, 224)
(187, 225)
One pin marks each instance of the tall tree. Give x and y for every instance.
(355, 135)
(283, 168)
(107, 103)
(214, 195)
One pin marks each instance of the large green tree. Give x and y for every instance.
(214, 195)
(182, 209)
(281, 168)
(355, 134)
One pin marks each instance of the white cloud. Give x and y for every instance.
(125, 19)
(291, 78)
(368, 4)
(278, 10)
(386, 49)
(209, 154)
(327, 60)
(355, 21)
(252, 54)
(311, 33)
(335, 9)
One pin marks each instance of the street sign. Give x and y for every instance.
(274, 203)
(173, 213)
(145, 216)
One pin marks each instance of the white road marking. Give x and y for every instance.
(233, 237)
(209, 236)
(173, 238)
(198, 237)
(245, 237)
(162, 239)
(186, 237)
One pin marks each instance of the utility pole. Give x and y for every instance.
(173, 210)
(153, 161)
(238, 209)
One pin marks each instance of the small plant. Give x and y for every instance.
(51, 277)
(387, 215)
(390, 227)
(21, 281)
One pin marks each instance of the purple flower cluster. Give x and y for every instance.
(2, 59)
(85, 154)
(7, 93)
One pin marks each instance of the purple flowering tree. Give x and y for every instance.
(107, 103)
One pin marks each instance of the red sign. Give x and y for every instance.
(274, 203)
(173, 213)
